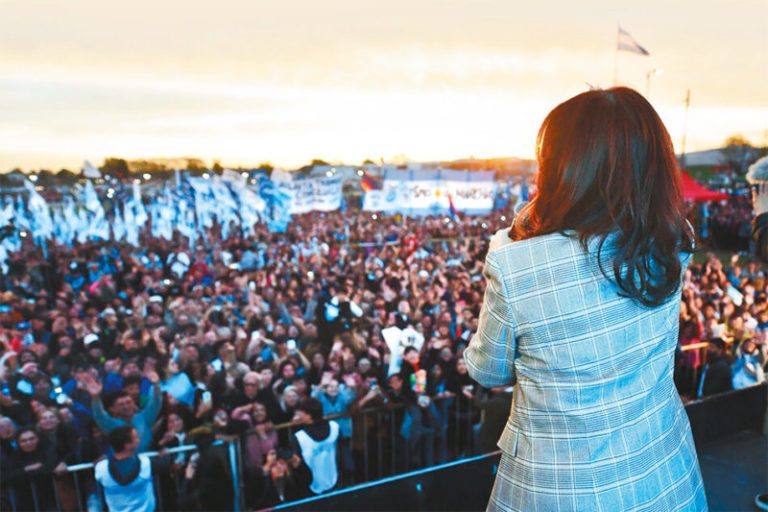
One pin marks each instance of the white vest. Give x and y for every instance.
(137, 496)
(320, 456)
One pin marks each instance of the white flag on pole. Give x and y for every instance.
(90, 198)
(42, 224)
(89, 171)
(627, 43)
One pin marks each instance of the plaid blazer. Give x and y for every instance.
(596, 421)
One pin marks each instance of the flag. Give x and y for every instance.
(122, 193)
(367, 182)
(118, 226)
(89, 171)
(7, 214)
(131, 227)
(90, 199)
(41, 222)
(99, 228)
(454, 213)
(281, 175)
(140, 213)
(627, 43)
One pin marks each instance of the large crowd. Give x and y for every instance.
(230, 339)
(233, 340)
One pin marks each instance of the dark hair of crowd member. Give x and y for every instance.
(26, 428)
(606, 165)
(313, 407)
(131, 380)
(108, 399)
(120, 436)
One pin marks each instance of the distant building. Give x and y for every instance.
(708, 157)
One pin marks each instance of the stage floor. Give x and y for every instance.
(735, 469)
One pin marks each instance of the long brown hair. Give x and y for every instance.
(606, 165)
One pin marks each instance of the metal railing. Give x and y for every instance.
(85, 493)
(385, 441)
(396, 438)
(701, 348)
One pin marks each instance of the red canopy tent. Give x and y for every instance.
(693, 192)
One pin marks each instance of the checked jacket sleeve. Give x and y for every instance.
(491, 352)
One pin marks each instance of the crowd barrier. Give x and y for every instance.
(377, 445)
(382, 450)
(695, 373)
(466, 484)
(77, 490)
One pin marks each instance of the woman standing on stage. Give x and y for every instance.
(581, 312)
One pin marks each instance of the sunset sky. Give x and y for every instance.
(247, 81)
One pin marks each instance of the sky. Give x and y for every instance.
(287, 81)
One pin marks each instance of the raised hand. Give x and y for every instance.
(152, 376)
(92, 386)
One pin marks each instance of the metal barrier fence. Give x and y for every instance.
(83, 493)
(398, 438)
(385, 441)
(701, 348)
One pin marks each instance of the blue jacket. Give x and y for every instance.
(142, 421)
(339, 406)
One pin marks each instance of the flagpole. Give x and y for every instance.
(616, 58)
(685, 127)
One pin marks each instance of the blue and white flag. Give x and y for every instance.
(99, 226)
(139, 212)
(6, 214)
(118, 226)
(41, 223)
(22, 219)
(277, 204)
(627, 43)
(83, 223)
(68, 229)
(131, 227)
(90, 199)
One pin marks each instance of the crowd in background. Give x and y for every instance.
(230, 339)
(728, 223)
(725, 305)
(347, 312)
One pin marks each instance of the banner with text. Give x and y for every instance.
(427, 192)
(323, 194)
